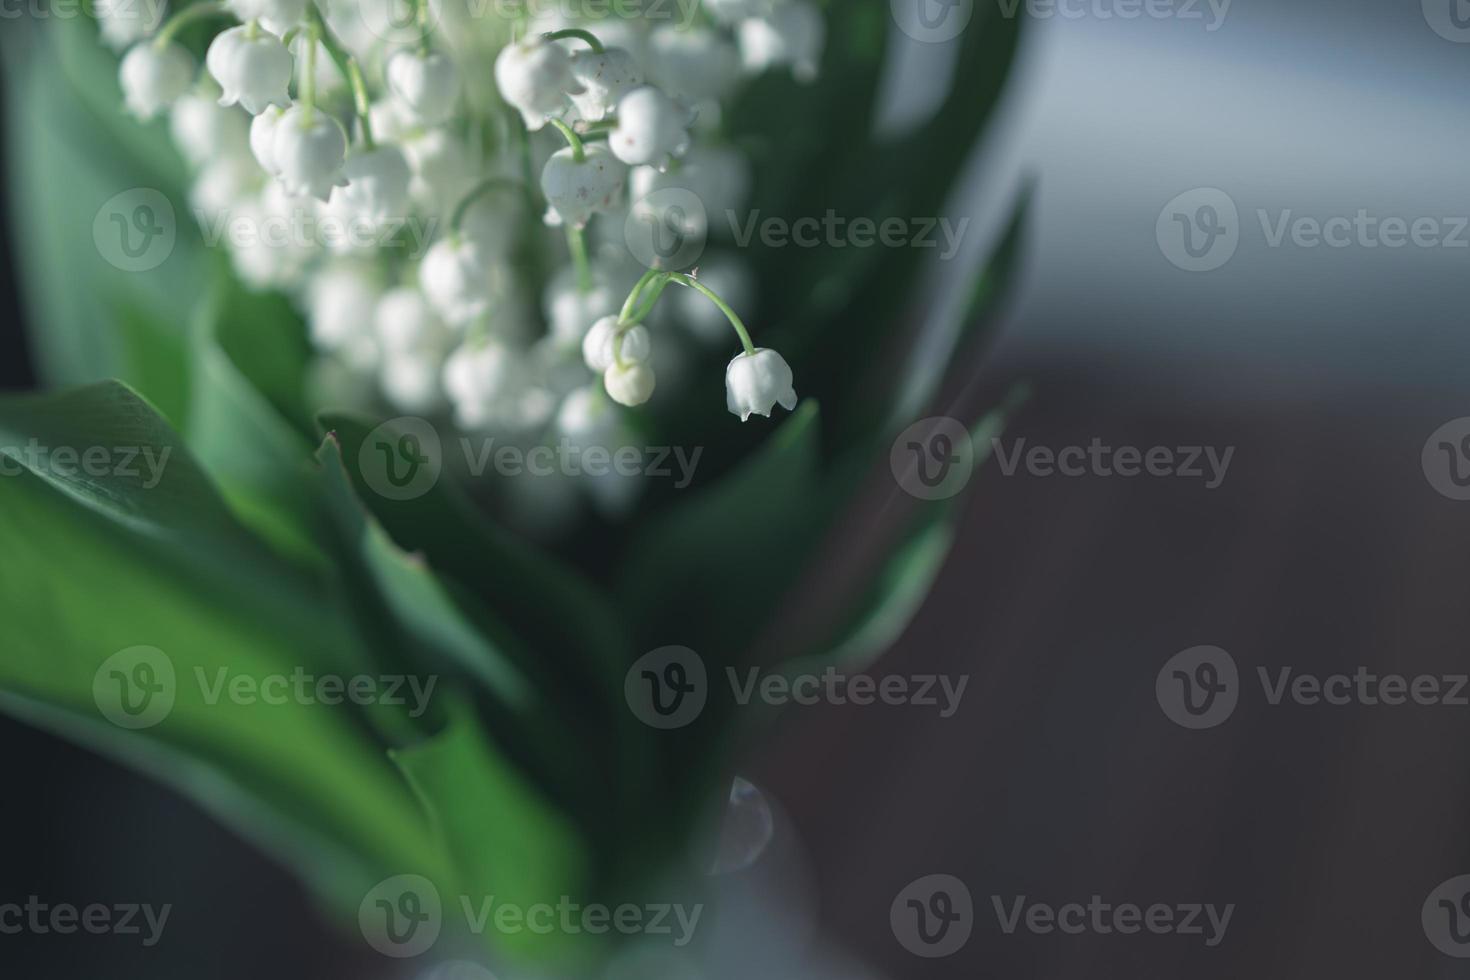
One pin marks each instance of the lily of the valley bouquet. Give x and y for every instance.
(425, 306)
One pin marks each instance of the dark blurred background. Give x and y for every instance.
(1324, 549)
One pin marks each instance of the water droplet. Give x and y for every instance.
(746, 830)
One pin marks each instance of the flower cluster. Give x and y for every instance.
(522, 148)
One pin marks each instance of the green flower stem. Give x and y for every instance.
(646, 307)
(632, 301)
(577, 33)
(478, 191)
(185, 17)
(308, 79)
(709, 294)
(579, 155)
(347, 65)
(577, 244)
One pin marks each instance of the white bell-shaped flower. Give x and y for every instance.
(309, 154)
(605, 77)
(204, 130)
(693, 64)
(651, 128)
(125, 22)
(263, 138)
(607, 343)
(757, 382)
(791, 34)
(153, 77)
(414, 343)
(483, 382)
(444, 169)
(340, 303)
(427, 85)
(576, 190)
(455, 278)
(535, 77)
(253, 71)
(223, 185)
(377, 184)
(628, 383)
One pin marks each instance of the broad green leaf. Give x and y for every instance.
(90, 572)
(503, 839)
(704, 573)
(245, 418)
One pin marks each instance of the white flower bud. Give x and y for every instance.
(629, 384)
(153, 77)
(757, 382)
(605, 77)
(427, 85)
(536, 78)
(576, 191)
(607, 344)
(404, 322)
(455, 278)
(263, 138)
(255, 72)
(444, 169)
(650, 128)
(204, 130)
(791, 34)
(693, 64)
(585, 418)
(309, 156)
(377, 184)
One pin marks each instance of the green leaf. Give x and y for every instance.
(71, 150)
(95, 568)
(703, 573)
(502, 838)
(247, 421)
